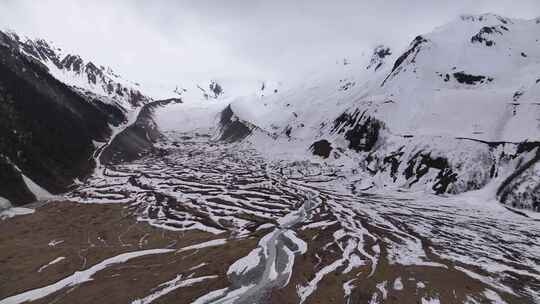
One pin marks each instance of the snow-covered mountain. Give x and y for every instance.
(56, 110)
(308, 192)
(457, 110)
(84, 76)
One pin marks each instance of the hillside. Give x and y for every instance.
(55, 111)
(454, 111)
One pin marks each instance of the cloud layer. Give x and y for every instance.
(170, 42)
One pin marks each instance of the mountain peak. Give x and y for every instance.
(85, 76)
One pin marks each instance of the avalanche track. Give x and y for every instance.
(318, 241)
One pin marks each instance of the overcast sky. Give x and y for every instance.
(168, 42)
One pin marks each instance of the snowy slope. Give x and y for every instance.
(427, 91)
(475, 77)
(302, 108)
(84, 76)
(456, 109)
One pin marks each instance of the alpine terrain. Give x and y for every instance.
(410, 174)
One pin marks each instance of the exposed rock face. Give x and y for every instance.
(85, 76)
(465, 78)
(12, 184)
(321, 148)
(524, 191)
(136, 140)
(522, 188)
(378, 57)
(48, 129)
(231, 128)
(409, 56)
(483, 35)
(416, 164)
(443, 165)
(360, 130)
(215, 88)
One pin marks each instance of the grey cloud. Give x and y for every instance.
(172, 41)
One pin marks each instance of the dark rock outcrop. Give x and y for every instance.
(321, 148)
(483, 35)
(421, 163)
(377, 58)
(136, 140)
(361, 130)
(231, 128)
(43, 54)
(469, 79)
(46, 128)
(12, 185)
(410, 54)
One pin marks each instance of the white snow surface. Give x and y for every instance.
(246, 263)
(170, 286)
(57, 260)
(15, 211)
(430, 301)
(4, 203)
(398, 284)
(211, 243)
(415, 98)
(186, 117)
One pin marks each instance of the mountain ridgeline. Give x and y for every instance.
(457, 110)
(407, 174)
(54, 111)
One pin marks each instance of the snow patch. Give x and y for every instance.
(211, 243)
(398, 284)
(15, 211)
(170, 286)
(58, 259)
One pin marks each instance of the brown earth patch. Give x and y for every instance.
(91, 233)
(87, 234)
